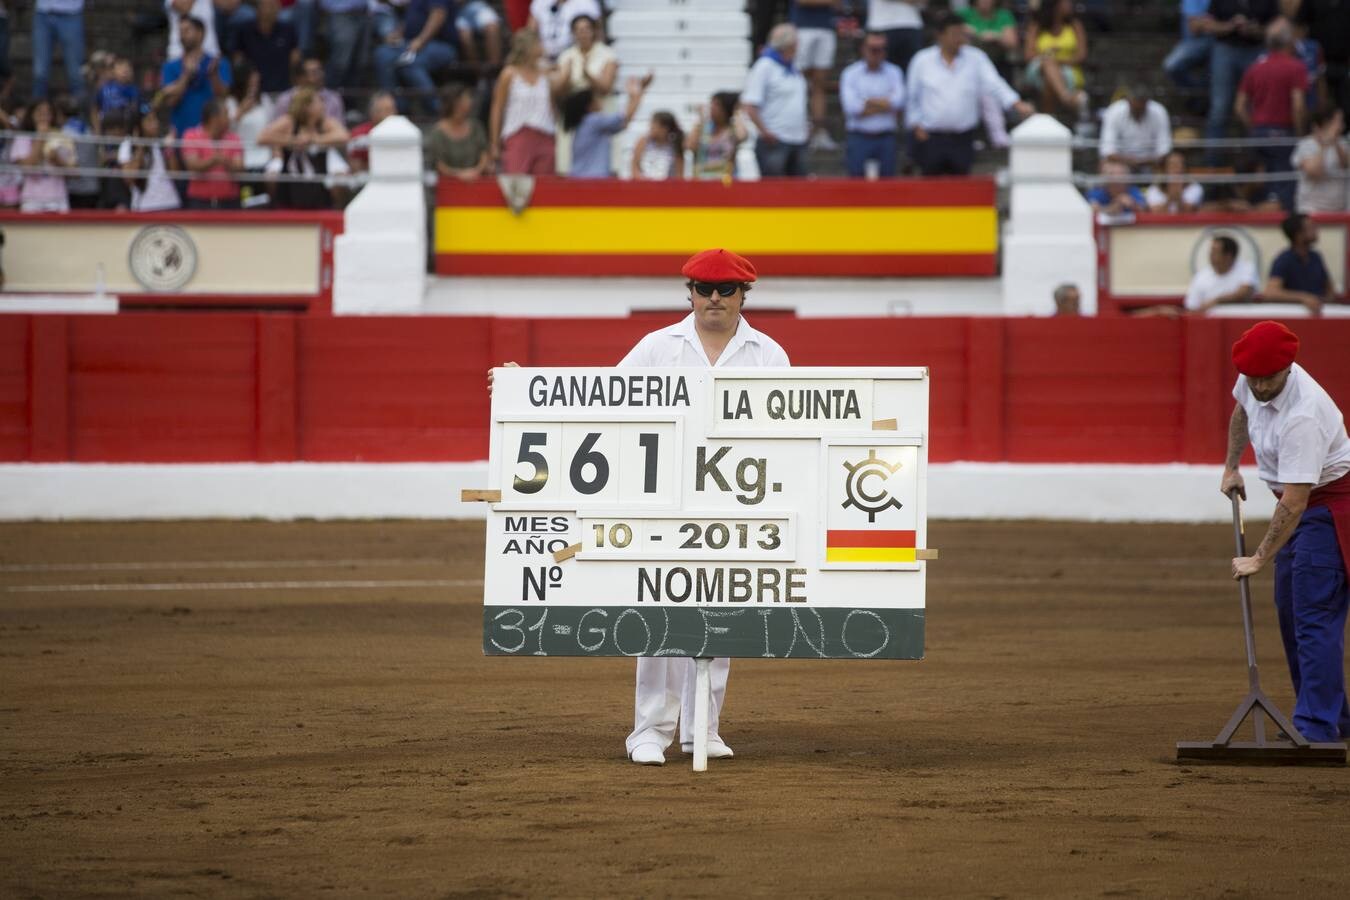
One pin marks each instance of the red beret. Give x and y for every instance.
(1264, 349)
(718, 265)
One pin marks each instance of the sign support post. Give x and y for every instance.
(702, 702)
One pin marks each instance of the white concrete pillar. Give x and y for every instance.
(380, 259)
(1047, 240)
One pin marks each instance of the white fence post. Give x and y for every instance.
(1048, 237)
(380, 259)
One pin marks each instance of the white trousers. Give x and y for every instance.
(665, 695)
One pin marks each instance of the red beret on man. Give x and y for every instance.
(1264, 349)
(718, 265)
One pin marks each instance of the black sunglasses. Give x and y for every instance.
(723, 288)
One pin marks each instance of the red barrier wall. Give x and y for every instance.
(270, 388)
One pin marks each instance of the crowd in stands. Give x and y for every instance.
(259, 101)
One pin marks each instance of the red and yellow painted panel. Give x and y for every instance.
(935, 227)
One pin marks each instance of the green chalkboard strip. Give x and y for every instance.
(763, 633)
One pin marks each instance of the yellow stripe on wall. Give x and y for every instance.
(870, 554)
(808, 230)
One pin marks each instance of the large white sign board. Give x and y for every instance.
(707, 512)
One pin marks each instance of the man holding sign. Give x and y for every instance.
(713, 335)
(1303, 454)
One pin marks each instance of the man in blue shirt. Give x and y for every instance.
(872, 93)
(1299, 275)
(1116, 196)
(424, 44)
(194, 78)
(1193, 51)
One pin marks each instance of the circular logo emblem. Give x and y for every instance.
(857, 494)
(1247, 247)
(163, 258)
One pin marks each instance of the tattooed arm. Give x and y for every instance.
(1237, 443)
(1287, 513)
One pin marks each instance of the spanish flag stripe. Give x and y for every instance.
(870, 554)
(869, 538)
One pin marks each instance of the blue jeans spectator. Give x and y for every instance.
(1226, 65)
(346, 48)
(67, 29)
(229, 24)
(860, 147)
(1277, 160)
(778, 160)
(304, 15)
(434, 56)
(1190, 54)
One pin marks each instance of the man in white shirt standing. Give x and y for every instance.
(872, 94)
(775, 100)
(1303, 455)
(945, 83)
(1226, 279)
(1136, 130)
(713, 335)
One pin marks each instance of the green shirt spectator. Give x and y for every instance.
(992, 24)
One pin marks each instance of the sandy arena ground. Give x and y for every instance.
(246, 709)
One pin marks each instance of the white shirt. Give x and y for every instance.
(592, 64)
(1299, 437)
(555, 22)
(201, 9)
(1328, 193)
(678, 346)
(780, 96)
(858, 84)
(1149, 139)
(159, 192)
(885, 15)
(946, 97)
(1208, 284)
(1191, 195)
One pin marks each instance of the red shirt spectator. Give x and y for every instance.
(1267, 90)
(213, 153)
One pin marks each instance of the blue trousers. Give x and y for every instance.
(67, 29)
(346, 49)
(859, 147)
(1227, 62)
(1187, 56)
(1311, 599)
(1277, 159)
(436, 55)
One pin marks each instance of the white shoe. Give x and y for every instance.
(648, 755)
(821, 140)
(716, 750)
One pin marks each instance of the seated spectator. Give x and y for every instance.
(1116, 196)
(659, 154)
(424, 45)
(119, 92)
(272, 46)
(147, 166)
(521, 125)
(304, 141)
(82, 190)
(58, 22)
(947, 88)
(1192, 53)
(212, 153)
(459, 145)
(1068, 300)
(589, 64)
(1271, 103)
(113, 192)
(1174, 195)
(1226, 279)
(476, 19)
(42, 191)
(310, 74)
(201, 10)
(715, 137)
(775, 101)
(994, 30)
(249, 113)
(551, 20)
(1249, 193)
(872, 94)
(816, 45)
(1298, 274)
(1323, 165)
(593, 129)
(1136, 130)
(231, 18)
(1056, 46)
(304, 16)
(194, 78)
(382, 106)
(345, 25)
